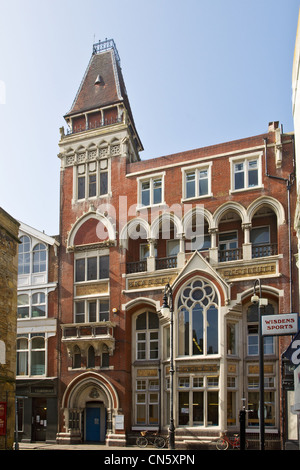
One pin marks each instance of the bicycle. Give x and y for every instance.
(154, 438)
(224, 442)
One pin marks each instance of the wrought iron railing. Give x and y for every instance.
(105, 46)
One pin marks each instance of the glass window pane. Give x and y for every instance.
(183, 332)
(22, 363)
(92, 269)
(104, 310)
(92, 311)
(260, 235)
(239, 176)
(38, 310)
(153, 322)
(252, 178)
(198, 415)
(190, 184)
(81, 187)
(38, 343)
(141, 414)
(252, 173)
(39, 258)
(157, 191)
(183, 412)
(92, 185)
(103, 183)
(145, 193)
(38, 363)
(153, 414)
(203, 187)
(80, 270)
(197, 316)
(141, 321)
(213, 408)
(104, 267)
(203, 182)
(212, 331)
(79, 312)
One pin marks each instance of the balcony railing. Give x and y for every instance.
(136, 267)
(87, 331)
(166, 263)
(259, 251)
(94, 125)
(230, 255)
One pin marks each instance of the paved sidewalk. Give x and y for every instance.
(46, 446)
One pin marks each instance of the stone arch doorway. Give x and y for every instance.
(90, 404)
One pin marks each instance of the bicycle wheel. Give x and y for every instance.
(142, 441)
(159, 442)
(221, 444)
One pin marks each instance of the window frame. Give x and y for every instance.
(197, 169)
(197, 383)
(86, 311)
(151, 179)
(33, 252)
(150, 343)
(85, 257)
(30, 352)
(30, 305)
(83, 171)
(144, 389)
(245, 159)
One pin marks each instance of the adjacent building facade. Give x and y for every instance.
(8, 326)
(209, 222)
(36, 345)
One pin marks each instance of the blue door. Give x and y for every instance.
(92, 424)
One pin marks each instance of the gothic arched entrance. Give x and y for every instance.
(90, 404)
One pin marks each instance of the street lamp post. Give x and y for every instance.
(257, 300)
(167, 308)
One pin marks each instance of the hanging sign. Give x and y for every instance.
(282, 324)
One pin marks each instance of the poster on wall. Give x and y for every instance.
(3, 418)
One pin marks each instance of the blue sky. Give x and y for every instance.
(197, 73)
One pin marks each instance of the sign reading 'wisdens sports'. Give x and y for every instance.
(282, 324)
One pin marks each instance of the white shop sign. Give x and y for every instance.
(283, 324)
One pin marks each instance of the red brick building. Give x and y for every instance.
(210, 222)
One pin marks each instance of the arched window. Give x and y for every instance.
(105, 356)
(198, 319)
(91, 357)
(76, 358)
(147, 325)
(39, 258)
(24, 255)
